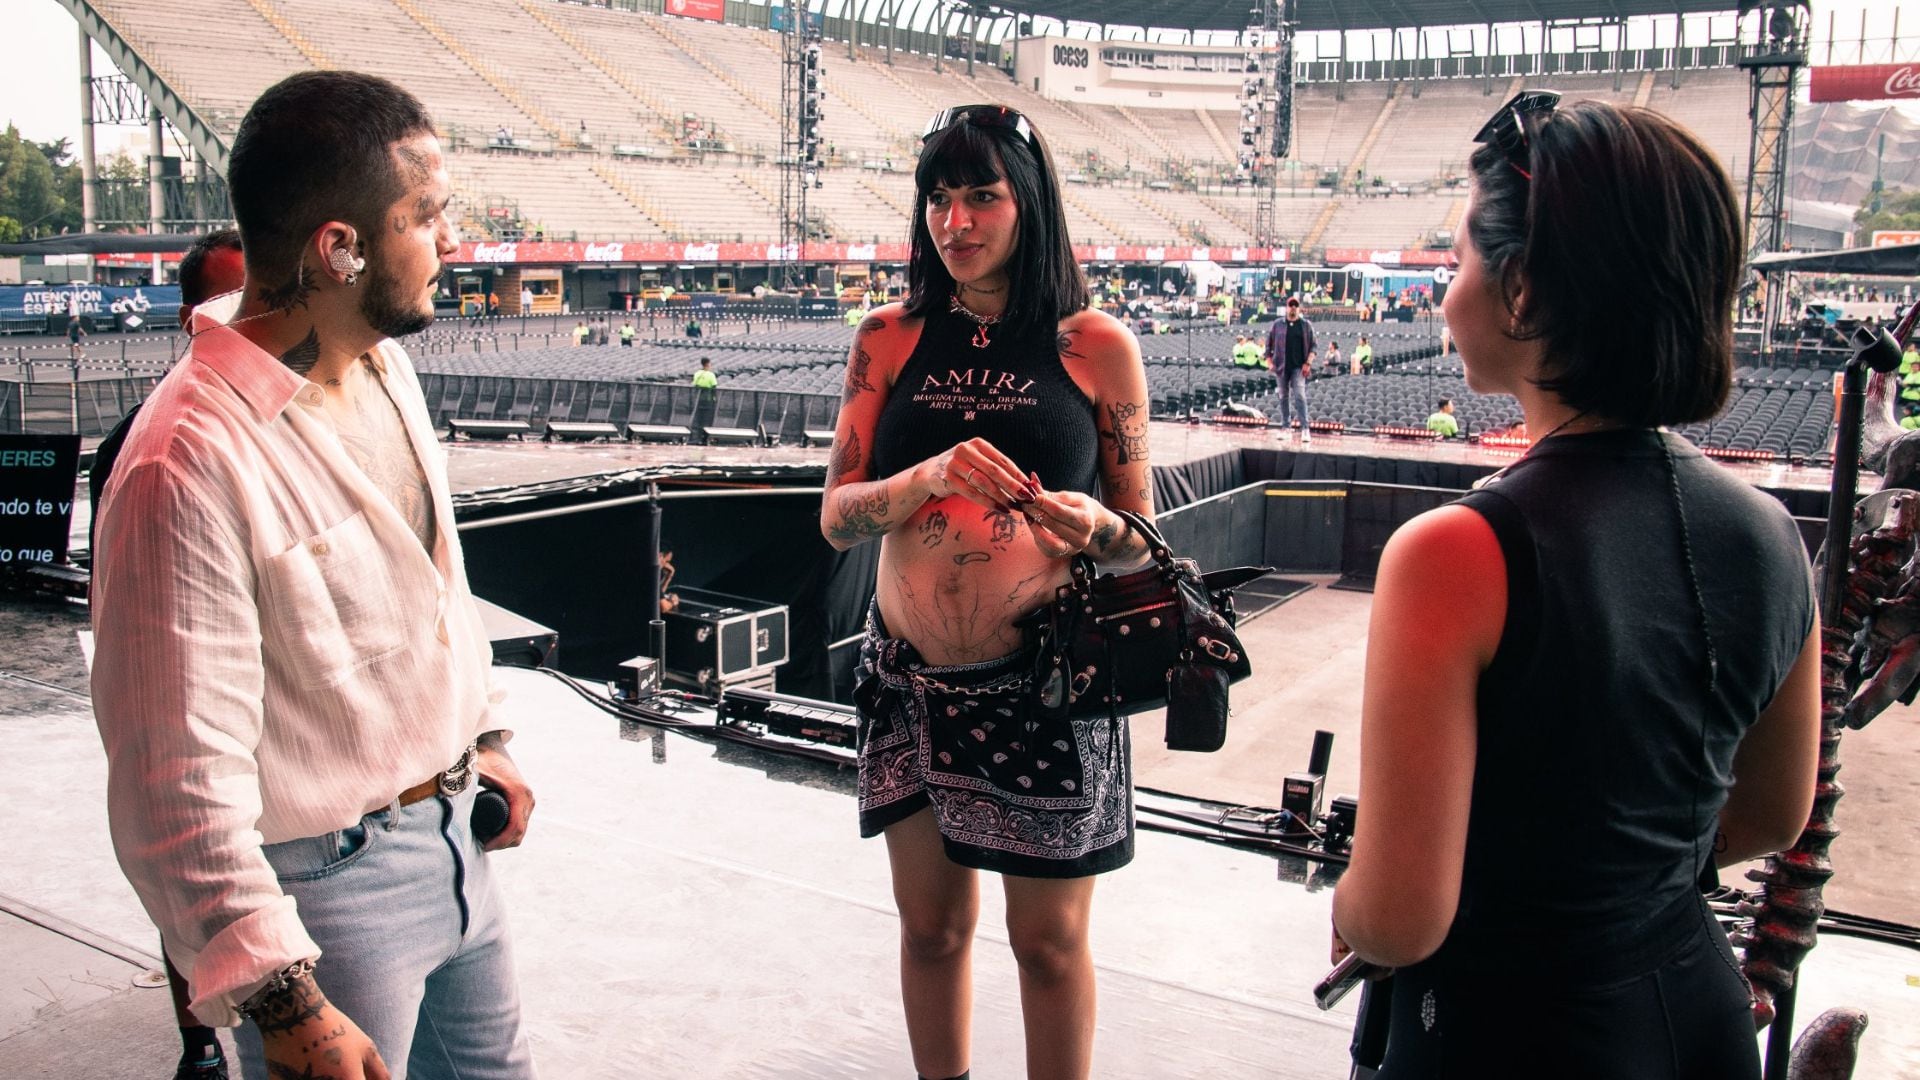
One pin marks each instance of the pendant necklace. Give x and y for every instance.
(981, 322)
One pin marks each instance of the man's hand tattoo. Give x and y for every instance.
(284, 1010)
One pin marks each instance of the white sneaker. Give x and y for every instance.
(1306, 436)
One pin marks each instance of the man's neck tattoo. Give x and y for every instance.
(302, 357)
(294, 293)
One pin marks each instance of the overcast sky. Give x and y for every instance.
(40, 66)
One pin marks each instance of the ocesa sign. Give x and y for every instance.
(1070, 56)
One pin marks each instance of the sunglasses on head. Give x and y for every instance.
(1507, 130)
(986, 116)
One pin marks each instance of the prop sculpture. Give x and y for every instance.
(1869, 657)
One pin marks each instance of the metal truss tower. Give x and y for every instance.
(1266, 109)
(801, 94)
(1773, 52)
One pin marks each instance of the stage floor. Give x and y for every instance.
(683, 910)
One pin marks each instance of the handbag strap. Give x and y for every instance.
(1085, 569)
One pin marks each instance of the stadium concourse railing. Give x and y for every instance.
(784, 416)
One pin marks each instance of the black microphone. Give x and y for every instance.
(490, 814)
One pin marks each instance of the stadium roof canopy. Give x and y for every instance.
(1350, 14)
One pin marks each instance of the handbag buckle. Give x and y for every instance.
(1216, 648)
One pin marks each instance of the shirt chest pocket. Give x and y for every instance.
(332, 605)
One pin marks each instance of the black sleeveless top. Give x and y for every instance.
(1603, 758)
(1014, 393)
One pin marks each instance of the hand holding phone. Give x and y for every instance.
(1350, 972)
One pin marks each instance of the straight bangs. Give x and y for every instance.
(963, 155)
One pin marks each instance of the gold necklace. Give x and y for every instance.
(981, 322)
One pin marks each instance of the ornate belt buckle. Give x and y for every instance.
(460, 774)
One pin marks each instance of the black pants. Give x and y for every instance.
(1686, 1020)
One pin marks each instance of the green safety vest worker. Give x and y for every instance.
(1910, 381)
(1363, 352)
(580, 333)
(1911, 421)
(705, 380)
(1444, 423)
(855, 315)
(1246, 354)
(1910, 360)
(626, 333)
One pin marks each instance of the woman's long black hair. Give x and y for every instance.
(1044, 282)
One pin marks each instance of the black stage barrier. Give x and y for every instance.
(576, 557)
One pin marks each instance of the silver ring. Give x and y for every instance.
(972, 471)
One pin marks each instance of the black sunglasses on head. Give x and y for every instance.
(987, 116)
(1507, 128)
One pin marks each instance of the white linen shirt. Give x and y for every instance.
(277, 654)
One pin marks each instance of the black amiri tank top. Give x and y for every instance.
(1014, 393)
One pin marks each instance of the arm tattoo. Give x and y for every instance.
(291, 295)
(934, 528)
(284, 1010)
(1129, 439)
(872, 323)
(301, 358)
(857, 375)
(846, 459)
(1063, 340)
(862, 515)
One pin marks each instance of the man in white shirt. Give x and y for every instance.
(291, 678)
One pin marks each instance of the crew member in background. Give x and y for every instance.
(526, 300)
(211, 267)
(626, 333)
(580, 332)
(1363, 355)
(1910, 373)
(1246, 353)
(705, 384)
(291, 678)
(1289, 353)
(76, 330)
(1442, 420)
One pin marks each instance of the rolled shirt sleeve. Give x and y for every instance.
(178, 689)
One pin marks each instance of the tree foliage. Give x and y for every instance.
(39, 186)
(1899, 210)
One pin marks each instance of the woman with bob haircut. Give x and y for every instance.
(991, 426)
(1627, 688)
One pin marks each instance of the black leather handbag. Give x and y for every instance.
(1115, 645)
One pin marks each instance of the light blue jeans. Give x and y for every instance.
(1293, 395)
(414, 942)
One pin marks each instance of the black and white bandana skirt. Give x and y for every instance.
(1011, 791)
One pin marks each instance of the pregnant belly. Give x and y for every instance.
(954, 578)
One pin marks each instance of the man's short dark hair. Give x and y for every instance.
(318, 146)
(1628, 243)
(1444, 402)
(193, 265)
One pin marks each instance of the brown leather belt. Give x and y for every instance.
(451, 782)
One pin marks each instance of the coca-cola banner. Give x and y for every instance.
(1870, 82)
(1343, 256)
(710, 10)
(548, 252)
